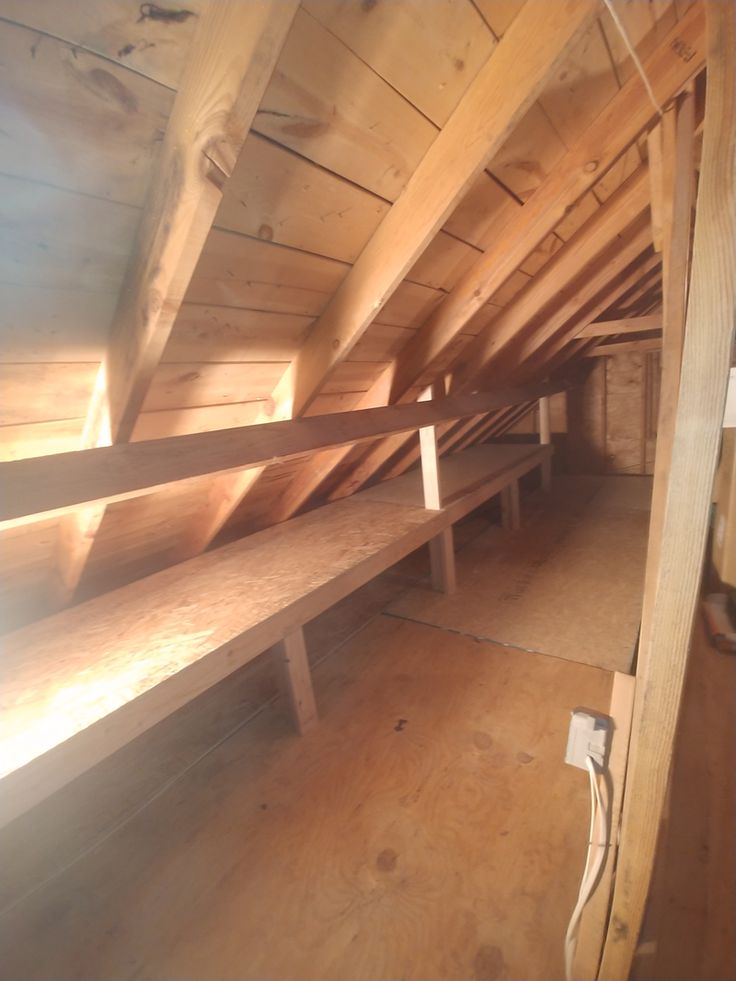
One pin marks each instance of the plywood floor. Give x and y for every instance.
(568, 584)
(427, 829)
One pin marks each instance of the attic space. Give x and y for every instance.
(368, 490)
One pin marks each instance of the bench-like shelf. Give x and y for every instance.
(81, 684)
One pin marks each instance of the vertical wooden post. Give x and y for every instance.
(672, 593)
(511, 506)
(441, 548)
(545, 438)
(293, 665)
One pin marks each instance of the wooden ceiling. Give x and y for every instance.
(373, 235)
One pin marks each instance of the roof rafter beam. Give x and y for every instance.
(604, 227)
(229, 64)
(676, 60)
(517, 71)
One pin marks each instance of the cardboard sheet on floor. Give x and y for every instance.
(569, 583)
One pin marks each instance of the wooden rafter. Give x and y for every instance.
(229, 64)
(537, 42)
(544, 288)
(672, 597)
(624, 117)
(561, 349)
(515, 325)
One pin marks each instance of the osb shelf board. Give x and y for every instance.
(569, 583)
(459, 473)
(392, 842)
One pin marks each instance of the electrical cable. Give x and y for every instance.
(634, 56)
(597, 847)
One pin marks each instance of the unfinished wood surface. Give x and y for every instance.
(625, 325)
(619, 123)
(625, 347)
(115, 472)
(477, 128)
(689, 933)
(511, 506)
(496, 99)
(568, 584)
(441, 548)
(605, 227)
(131, 657)
(209, 121)
(208, 126)
(672, 597)
(291, 661)
(302, 857)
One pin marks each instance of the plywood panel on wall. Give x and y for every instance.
(613, 415)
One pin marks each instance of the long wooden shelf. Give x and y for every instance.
(81, 684)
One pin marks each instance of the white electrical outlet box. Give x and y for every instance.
(589, 735)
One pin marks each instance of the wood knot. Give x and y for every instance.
(386, 860)
(489, 963)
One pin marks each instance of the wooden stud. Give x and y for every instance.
(293, 665)
(672, 596)
(441, 548)
(545, 437)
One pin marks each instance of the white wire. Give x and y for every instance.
(597, 846)
(634, 56)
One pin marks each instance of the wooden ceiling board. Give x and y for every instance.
(50, 325)
(200, 419)
(62, 240)
(25, 440)
(481, 210)
(238, 271)
(280, 197)
(582, 86)
(328, 105)
(214, 333)
(176, 385)
(124, 32)
(443, 262)
(644, 23)
(74, 120)
(527, 157)
(429, 52)
(44, 392)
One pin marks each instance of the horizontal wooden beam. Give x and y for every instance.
(625, 347)
(626, 325)
(55, 484)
